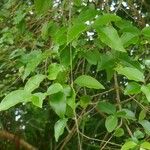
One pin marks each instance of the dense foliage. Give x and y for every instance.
(75, 74)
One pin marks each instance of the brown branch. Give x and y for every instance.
(11, 137)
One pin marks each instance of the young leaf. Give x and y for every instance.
(37, 99)
(34, 82)
(106, 107)
(111, 123)
(132, 88)
(54, 88)
(89, 82)
(58, 103)
(110, 37)
(131, 73)
(145, 145)
(119, 132)
(53, 71)
(59, 128)
(146, 90)
(14, 98)
(146, 126)
(129, 145)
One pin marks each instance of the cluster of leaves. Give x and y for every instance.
(75, 73)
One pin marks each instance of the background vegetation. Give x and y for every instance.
(75, 74)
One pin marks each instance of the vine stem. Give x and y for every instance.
(71, 72)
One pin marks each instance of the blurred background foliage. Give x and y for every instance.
(32, 37)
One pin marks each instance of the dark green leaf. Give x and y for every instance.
(106, 107)
(58, 103)
(84, 101)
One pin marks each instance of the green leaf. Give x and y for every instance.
(129, 145)
(34, 82)
(129, 114)
(145, 145)
(89, 82)
(53, 70)
(142, 115)
(106, 107)
(146, 126)
(42, 6)
(78, 2)
(65, 57)
(107, 62)
(111, 123)
(132, 88)
(138, 134)
(75, 31)
(129, 38)
(54, 88)
(59, 128)
(92, 57)
(146, 32)
(71, 97)
(60, 35)
(86, 14)
(131, 73)
(119, 132)
(37, 99)
(146, 90)
(58, 103)
(31, 61)
(84, 101)
(110, 37)
(106, 19)
(13, 98)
